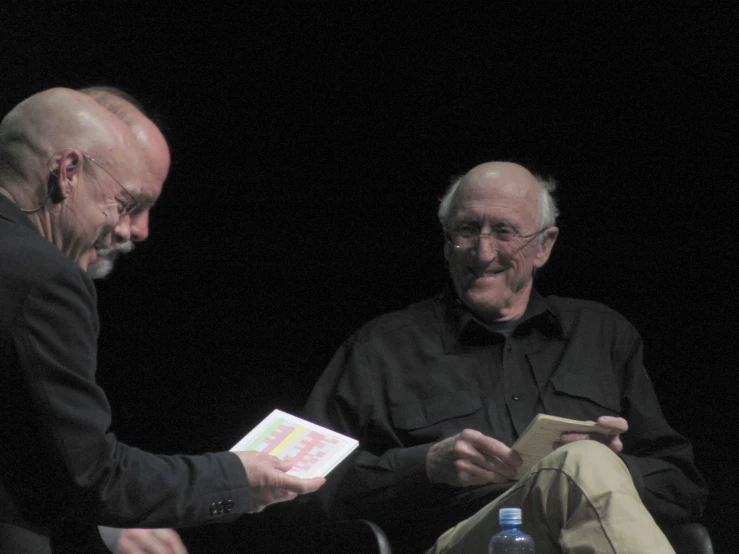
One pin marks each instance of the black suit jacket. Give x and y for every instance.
(60, 467)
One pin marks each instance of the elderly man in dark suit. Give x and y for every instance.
(69, 176)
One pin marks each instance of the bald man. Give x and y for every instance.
(69, 178)
(157, 160)
(45, 155)
(440, 391)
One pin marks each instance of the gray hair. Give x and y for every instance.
(548, 211)
(116, 101)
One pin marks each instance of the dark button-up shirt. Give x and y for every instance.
(411, 378)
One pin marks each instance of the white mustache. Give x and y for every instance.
(104, 264)
(116, 248)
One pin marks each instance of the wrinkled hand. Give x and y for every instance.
(471, 458)
(616, 425)
(150, 541)
(269, 482)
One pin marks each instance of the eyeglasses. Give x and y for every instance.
(124, 209)
(467, 237)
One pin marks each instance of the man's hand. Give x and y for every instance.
(616, 425)
(150, 541)
(471, 458)
(268, 481)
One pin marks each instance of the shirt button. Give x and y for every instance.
(228, 505)
(515, 397)
(213, 509)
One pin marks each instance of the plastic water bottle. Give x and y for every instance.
(510, 540)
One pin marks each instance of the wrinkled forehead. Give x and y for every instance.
(497, 194)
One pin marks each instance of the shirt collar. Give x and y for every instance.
(462, 327)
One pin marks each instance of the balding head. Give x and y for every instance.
(512, 173)
(46, 143)
(53, 120)
(157, 161)
(499, 226)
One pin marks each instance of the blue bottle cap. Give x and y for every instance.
(509, 516)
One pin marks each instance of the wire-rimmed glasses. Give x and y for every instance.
(124, 209)
(467, 237)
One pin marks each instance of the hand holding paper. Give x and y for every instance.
(615, 425)
(269, 482)
(546, 433)
(312, 450)
(471, 458)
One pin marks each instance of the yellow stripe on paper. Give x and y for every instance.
(287, 441)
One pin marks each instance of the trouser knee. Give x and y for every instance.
(589, 465)
(590, 452)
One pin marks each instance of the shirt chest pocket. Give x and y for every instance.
(435, 418)
(584, 397)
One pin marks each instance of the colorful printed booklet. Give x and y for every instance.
(536, 440)
(314, 450)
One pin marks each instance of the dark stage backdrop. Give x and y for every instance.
(311, 142)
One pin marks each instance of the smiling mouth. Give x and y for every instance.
(483, 274)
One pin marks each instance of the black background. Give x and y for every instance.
(311, 141)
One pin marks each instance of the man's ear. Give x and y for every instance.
(66, 168)
(447, 251)
(549, 237)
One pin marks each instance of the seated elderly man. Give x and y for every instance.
(69, 175)
(438, 392)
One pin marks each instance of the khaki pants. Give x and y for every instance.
(580, 499)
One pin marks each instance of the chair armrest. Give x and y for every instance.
(358, 536)
(689, 538)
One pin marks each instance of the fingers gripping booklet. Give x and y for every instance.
(313, 450)
(536, 440)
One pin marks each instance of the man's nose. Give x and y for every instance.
(139, 225)
(486, 249)
(122, 231)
